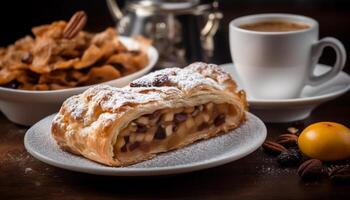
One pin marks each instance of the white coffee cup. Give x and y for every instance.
(277, 65)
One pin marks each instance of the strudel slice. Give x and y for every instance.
(165, 110)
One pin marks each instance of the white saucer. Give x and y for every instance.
(286, 110)
(200, 155)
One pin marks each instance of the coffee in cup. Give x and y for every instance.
(275, 26)
(275, 54)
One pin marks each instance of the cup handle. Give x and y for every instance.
(317, 50)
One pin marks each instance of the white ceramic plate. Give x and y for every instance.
(27, 107)
(285, 110)
(201, 155)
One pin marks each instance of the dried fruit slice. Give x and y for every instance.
(170, 126)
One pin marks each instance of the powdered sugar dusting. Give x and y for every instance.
(75, 106)
(188, 78)
(211, 70)
(155, 86)
(110, 98)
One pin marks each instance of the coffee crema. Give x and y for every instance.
(275, 26)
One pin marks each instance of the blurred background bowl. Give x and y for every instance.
(26, 107)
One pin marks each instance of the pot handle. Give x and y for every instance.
(114, 9)
(213, 22)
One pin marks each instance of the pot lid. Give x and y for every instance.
(165, 5)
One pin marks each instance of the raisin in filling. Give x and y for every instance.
(168, 126)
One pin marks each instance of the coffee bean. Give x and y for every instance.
(340, 174)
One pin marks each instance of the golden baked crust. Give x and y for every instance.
(89, 124)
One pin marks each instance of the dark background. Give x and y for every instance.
(17, 17)
(256, 176)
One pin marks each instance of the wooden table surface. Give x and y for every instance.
(256, 176)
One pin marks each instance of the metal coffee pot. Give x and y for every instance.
(181, 30)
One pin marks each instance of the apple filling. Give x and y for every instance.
(166, 128)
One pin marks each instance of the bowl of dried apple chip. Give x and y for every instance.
(38, 73)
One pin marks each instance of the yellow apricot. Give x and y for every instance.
(327, 141)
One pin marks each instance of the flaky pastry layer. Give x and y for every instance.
(162, 111)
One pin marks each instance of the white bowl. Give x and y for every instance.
(26, 107)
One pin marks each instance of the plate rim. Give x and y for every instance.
(298, 101)
(123, 171)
